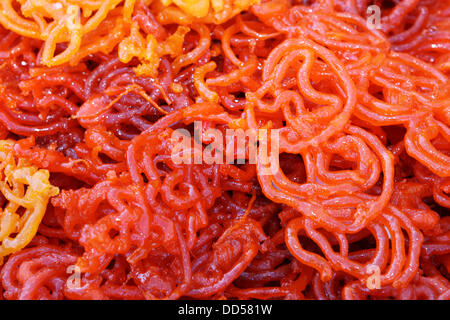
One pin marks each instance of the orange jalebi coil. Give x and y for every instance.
(92, 93)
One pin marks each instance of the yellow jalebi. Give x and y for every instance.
(89, 26)
(27, 191)
(206, 11)
(63, 21)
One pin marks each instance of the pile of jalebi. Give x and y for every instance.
(94, 206)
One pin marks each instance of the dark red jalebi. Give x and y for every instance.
(357, 208)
